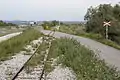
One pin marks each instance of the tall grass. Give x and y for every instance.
(72, 29)
(15, 44)
(39, 56)
(101, 39)
(80, 31)
(83, 61)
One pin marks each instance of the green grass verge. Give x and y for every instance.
(80, 31)
(99, 38)
(83, 61)
(15, 44)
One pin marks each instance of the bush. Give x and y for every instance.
(72, 29)
(83, 61)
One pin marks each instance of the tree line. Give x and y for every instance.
(95, 17)
(49, 24)
(2, 24)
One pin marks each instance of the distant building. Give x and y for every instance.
(32, 23)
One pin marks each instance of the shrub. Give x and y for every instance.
(83, 61)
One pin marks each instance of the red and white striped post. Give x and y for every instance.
(107, 24)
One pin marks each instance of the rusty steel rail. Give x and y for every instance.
(44, 61)
(15, 76)
(46, 57)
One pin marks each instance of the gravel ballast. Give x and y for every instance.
(10, 67)
(61, 73)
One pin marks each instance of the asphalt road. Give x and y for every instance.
(109, 54)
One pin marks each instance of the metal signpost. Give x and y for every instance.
(107, 24)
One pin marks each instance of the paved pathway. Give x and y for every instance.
(2, 38)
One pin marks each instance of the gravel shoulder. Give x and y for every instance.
(61, 73)
(109, 54)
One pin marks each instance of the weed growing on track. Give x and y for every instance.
(83, 61)
(15, 44)
(38, 57)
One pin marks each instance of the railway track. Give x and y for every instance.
(38, 72)
(15, 76)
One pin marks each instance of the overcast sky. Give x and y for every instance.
(47, 9)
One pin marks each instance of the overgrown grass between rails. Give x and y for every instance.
(13, 45)
(83, 61)
(38, 58)
(6, 31)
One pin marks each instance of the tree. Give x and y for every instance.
(2, 24)
(104, 12)
(54, 23)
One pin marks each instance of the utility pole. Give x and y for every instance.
(107, 24)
